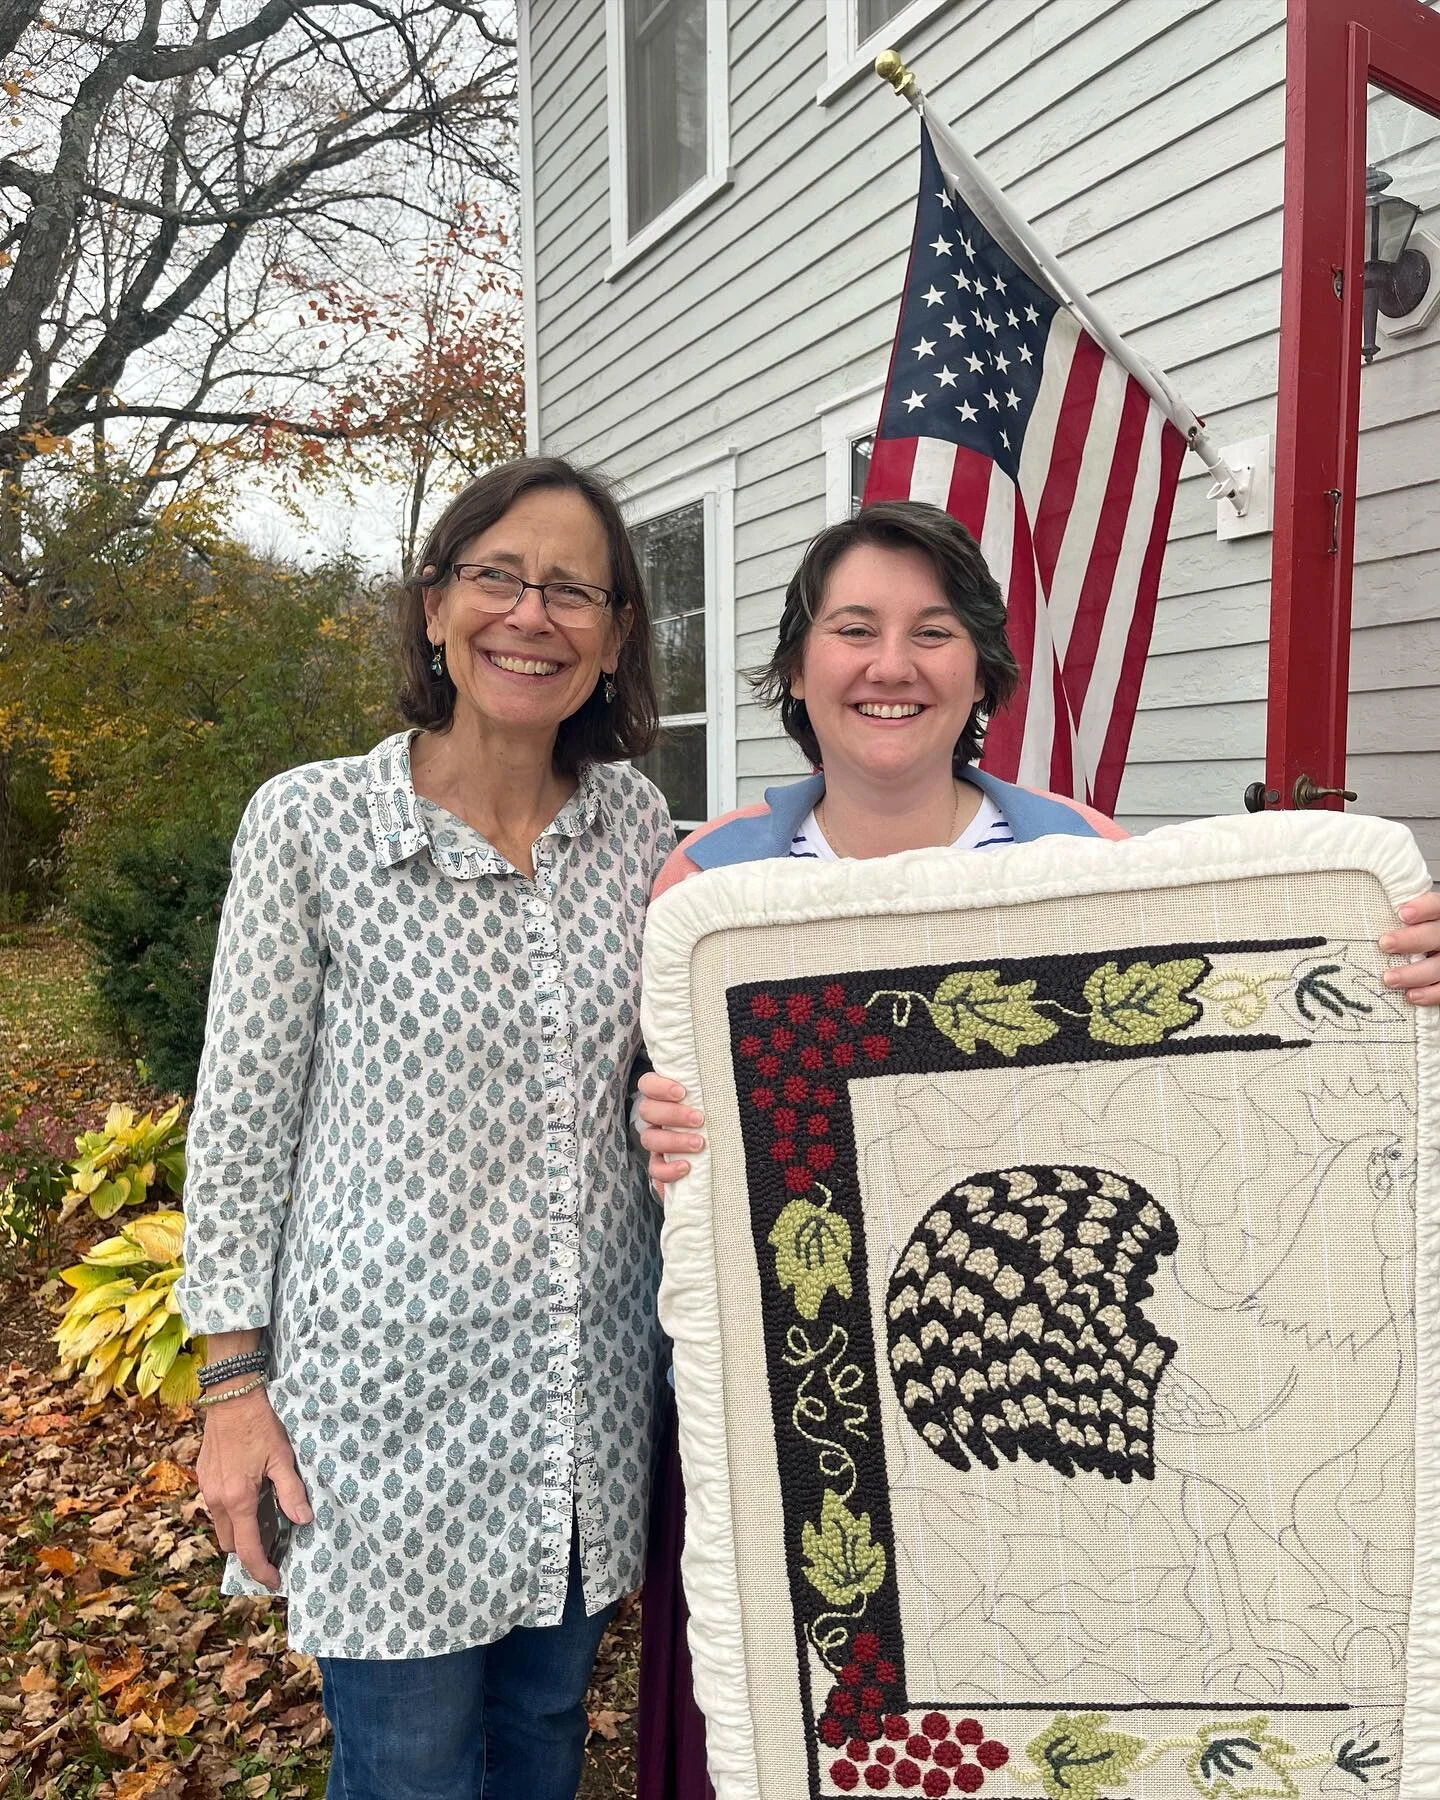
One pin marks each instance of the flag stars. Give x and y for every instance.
(1031, 316)
(914, 401)
(999, 285)
(966, 411)
(1012, 399)
(991, 401)
(1005, 439)
(968, 248)
(1026, 355)
(933, 297)
(962, 280)
(980, 289)
(1012, 321)
(1002, 362)
(925, 347)
(990, 325)
(974, 364)
(945, 200)
(941, 246)
(947, 377)
(955, 328)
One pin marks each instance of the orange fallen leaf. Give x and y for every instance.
(35, 1679)
(239, 1672)
(180, 1722)
(166, 1477)
(71, 1503)
(116, 1674)
(112, 1560)
(44, 1424)
(607, 1724)
(132, 1698)
(57, 1559)
(139, 1784)
(166, 1601)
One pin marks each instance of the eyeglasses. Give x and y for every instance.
(497, 590)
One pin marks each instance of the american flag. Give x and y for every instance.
(1002, 408)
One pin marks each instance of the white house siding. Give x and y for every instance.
(1144, 140)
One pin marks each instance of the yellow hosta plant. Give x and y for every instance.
(121, 1163)
(124, 1322)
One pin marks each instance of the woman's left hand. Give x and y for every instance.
(1420, 937)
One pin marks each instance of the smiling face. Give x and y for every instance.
(889, 674)
(522, 670)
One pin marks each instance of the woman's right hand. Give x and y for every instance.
(670, 1128)
(245, 1442)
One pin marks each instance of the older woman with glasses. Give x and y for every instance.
(417, 1240)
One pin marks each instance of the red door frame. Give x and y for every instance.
(1334, 47)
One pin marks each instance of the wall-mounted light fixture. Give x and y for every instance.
(1396, 274)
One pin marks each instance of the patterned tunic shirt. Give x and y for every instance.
(408, 1162)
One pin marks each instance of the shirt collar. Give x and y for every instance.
(398, 828)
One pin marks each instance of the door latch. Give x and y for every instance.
(1307, 793)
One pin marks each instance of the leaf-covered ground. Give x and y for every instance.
(123, 1671)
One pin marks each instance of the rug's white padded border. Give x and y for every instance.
(785, 891)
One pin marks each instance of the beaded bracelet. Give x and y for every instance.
(245, 1362)
(258, 1381)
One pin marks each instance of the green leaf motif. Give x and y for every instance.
(1242, 1760)
(1077, 1759)
(842, 1563)
(974, 1007)
(1143, 1002)
(812, 1254)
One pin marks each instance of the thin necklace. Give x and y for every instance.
(830, 837)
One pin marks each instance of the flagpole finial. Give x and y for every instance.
(890, 66)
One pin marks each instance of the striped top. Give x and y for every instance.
(988, 830)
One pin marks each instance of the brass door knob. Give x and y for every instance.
(1306, 793)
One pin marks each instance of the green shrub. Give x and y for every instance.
(153, 922)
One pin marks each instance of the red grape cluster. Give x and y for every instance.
(807, 1034)
(882, 1749)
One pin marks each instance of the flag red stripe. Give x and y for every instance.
(1098, 587)
(1063, 475)
(891, 463)
(1006, 735)
(1127, 692)
(970, 490)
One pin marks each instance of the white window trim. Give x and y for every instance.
(624, 249)
(712, 482)
(527, 229)
(846, 60)
(853, 414)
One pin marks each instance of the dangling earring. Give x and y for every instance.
(437, 662)
(609, 690)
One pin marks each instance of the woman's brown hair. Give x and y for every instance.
(961, 570)
(600, 730)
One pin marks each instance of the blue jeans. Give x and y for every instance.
(498, 1722)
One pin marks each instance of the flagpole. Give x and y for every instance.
(890, 67)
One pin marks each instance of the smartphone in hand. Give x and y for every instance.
(273, 1523)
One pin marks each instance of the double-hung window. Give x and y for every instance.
(683, 534)
(669, 128)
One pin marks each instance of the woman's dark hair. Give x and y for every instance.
(973, 593)
(600, 730)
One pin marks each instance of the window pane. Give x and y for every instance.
(672, 560)
(665, 93)
(870, 15)
(679, 651)
(677, 766)
(860, 449)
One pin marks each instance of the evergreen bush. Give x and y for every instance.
(153, 921)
